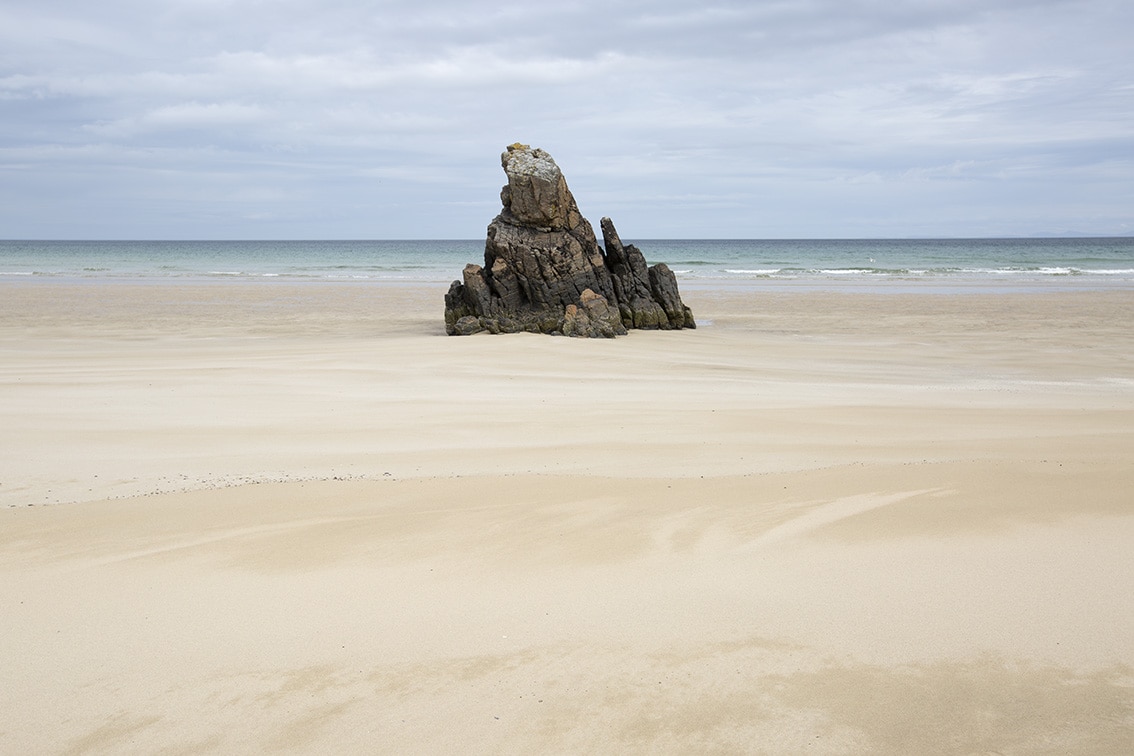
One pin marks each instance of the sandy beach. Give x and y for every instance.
(272, 517)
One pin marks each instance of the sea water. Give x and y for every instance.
(883, 264)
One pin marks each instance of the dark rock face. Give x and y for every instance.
(545, 273)
(647, 297)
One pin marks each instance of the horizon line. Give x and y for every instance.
(1083, 236)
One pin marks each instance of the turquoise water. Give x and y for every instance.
(886, 263)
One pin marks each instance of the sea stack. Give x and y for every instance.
(544, 271)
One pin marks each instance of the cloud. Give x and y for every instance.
(182, 116)
(814, 110)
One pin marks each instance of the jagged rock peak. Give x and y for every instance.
(544, 271)
(647, 296)
(536, 193)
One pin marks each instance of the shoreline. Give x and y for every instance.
(881, 284)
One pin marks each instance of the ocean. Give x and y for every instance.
(876, 264)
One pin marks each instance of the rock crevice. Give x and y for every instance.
(544, 271)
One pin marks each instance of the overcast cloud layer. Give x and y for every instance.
(335, 119)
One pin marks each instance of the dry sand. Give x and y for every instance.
(298, 518)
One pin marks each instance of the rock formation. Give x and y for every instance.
(545, 273)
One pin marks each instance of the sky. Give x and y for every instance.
(330, 119)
